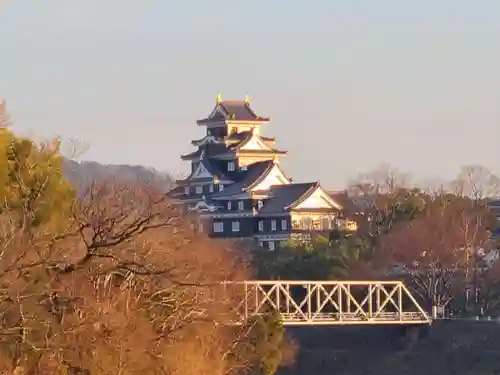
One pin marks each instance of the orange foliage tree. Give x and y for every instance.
(113, 282)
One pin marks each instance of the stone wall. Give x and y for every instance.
(448, 347)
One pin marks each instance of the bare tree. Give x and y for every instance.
(124, 287)
(383, 197)
(112, 281)
(476, 182)
(435, 246)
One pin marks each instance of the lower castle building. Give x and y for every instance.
(237, 187)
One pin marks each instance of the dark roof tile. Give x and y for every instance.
(235, 110)
(254, 172)
(176, 191)
(239, 110)
(285, 195)
(245, 134)
(214, 168)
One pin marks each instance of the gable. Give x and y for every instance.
(201, 172)
(274, 177)
(218, 113)
(254, 143)
(202, 206)
(205, 140)
(318, 199)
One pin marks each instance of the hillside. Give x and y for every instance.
(82, 174)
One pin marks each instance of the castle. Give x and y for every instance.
(237, 188)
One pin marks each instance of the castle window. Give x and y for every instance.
(231, 166)
(261, 226)
(221, 187)
(307, 223)
(199, 189)
(273, 225)
(186, 190)
(229, 206)
(241, 205)
(325, 223)
(218, 227)
(235, 226)
(316, 224)
(259, 204)
(284, 224)
(211, 188)
(271, 245)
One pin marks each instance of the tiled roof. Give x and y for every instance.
(176, 191)
(213, 168)
(248, 138)
(211, 149)
(244, 135)
(240, 110)
(236, 110)
(243, 142)
(285, 195)
(192, 155)
(189, 181)
(255, 173)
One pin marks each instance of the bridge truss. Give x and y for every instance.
(316, 303)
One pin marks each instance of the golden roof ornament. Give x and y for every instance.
(247, 99)
(219, 98)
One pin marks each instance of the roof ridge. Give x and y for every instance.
(247, 104)
(315, 185)
(272, 164)
(292, 184)
(248, 138)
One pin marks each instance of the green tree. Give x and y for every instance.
(265, 344)
(321, 259)
(111, 282)
(33, 191)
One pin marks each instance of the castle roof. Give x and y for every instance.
(208, 149)
(241, 136)
(233, 110)
(293, 196)
(244, 143)
(255, 173)
(205, 172)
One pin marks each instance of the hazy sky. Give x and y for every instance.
(348, 84)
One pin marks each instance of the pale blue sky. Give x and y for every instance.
(349, 84)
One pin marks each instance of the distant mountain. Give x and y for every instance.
(82, 174)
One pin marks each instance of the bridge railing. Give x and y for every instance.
(332, 302)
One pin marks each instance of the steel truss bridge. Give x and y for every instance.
(329, 303)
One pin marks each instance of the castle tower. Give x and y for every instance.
(237, 186)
